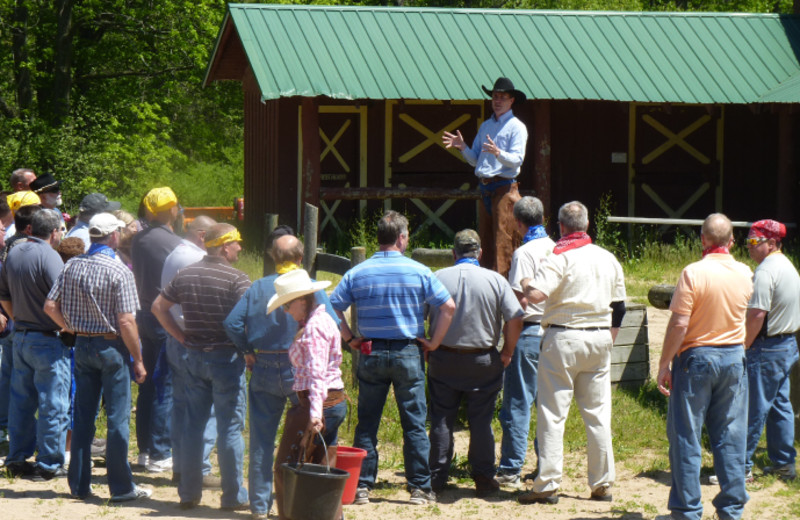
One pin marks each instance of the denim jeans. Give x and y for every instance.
(270, 387)
(451, 378)
(769, 365)
(176, 357)
(708, 382)
(397, 363)
(39, 381)
(6, 364)
(152, 415)
(101, 366)
(217, 378)
(519, 395)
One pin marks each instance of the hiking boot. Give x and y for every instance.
(362, 496)
(786, 472)
(20, 469)
(512, 480)
(41, 475)
(538, 497)
(485, 486)
(602, 494)
(420, 498)
(135, 494)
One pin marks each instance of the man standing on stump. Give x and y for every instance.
(497, 154)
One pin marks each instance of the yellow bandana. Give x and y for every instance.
(230, 236)
(285, 267)
(22, 198)
(160, 199)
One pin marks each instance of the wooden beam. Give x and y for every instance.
(541, 149)
(311, 153)
(786, 177)
(383, 193)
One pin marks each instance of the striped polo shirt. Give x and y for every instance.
(390, 292)
(207, 291)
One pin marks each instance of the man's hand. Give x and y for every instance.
(664, 380)
(506, 359)
(139, 372)
(453, 140)
(249, 361)
(490, 147)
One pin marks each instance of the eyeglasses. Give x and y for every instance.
(755, 241)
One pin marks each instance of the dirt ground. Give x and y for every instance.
(636, 496)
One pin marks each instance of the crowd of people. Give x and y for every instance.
(118, 299)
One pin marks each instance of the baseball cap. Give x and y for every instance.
(104, 224)
(96, 202)
(466, 241)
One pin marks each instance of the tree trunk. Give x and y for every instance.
(62, 70)
(19, 46)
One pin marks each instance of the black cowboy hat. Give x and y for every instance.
(45, 183)
(505, 85)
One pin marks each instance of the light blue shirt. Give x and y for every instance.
(510, 135)
(390, 292)
(81, 230)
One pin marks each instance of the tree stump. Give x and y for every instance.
(660, 296)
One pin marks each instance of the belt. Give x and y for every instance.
(390, 344)
(51, 333)
(494, 180)
(104, 335)
(778, 336)
(256, 351)
(526, 324)
(591, 329)
(466, 350)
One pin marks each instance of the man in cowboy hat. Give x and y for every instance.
(497, 154)
(207, 292)
(91, 205)
(772, 319)
(49, 191)
(149, 251)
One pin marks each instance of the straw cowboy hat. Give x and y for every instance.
(291, 285)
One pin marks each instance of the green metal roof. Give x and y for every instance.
(423, 53)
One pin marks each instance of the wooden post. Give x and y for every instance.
(357, 255)
(311, 216)
(541, 151)
(786, 170)
(270, 223)
(311, 152)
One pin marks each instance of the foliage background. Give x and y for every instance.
(107, 94)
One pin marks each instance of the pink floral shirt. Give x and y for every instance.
(316, 355)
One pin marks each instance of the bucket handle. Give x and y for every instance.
(301, 462)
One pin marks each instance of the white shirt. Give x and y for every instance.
(185, 254)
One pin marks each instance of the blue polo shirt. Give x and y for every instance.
(390, 292)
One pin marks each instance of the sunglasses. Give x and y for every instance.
(755, 241)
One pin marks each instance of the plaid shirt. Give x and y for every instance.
(92, 291)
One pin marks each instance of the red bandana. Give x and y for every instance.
(716, 249)
(572, 241)
(767, 229)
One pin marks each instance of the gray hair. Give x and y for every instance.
(529, 210)
(717, 229)
(18, 176)
(391, 227)
(44, 222)
(574, 216)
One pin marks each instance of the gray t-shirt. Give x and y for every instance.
(776, 289)
(484, 300)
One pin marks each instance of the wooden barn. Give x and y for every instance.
(673, 114)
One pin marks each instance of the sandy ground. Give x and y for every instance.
(637, 496)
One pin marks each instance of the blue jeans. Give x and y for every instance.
(519, 395)
(101, 366)
(39, 381)
(176, 357)
(270, 387)
(216, 378)
(769, 364)
(152, 415)
(708, 382)
(397, 363)
(6, 364)
(452, 377)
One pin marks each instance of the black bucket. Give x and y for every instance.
(312, 491)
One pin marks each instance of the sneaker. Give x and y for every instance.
(3, 435)
(189, 504)
(20, 469)
(135, 494)
(242, 506)
(420, 498)
(485, 486)
(211, 482)
(98, 448)
(159, 466)
(41, 475)
(786, 472)
(259, 516)
(362, 496)
(713, 480)
(67, 458)
(88, 495)
(142, 460)
(536, 497)
(512, 480)
(602, 494)
(749, 479)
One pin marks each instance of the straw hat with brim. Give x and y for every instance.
(505, 85)
(291, 285)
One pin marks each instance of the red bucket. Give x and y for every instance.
(349, 459)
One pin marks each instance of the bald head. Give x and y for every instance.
(197, 228)
(717, 230)
(287, 248)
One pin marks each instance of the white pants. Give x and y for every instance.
(574, 361)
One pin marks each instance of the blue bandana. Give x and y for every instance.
(101, 249)
(467, 260)
(533, 233)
